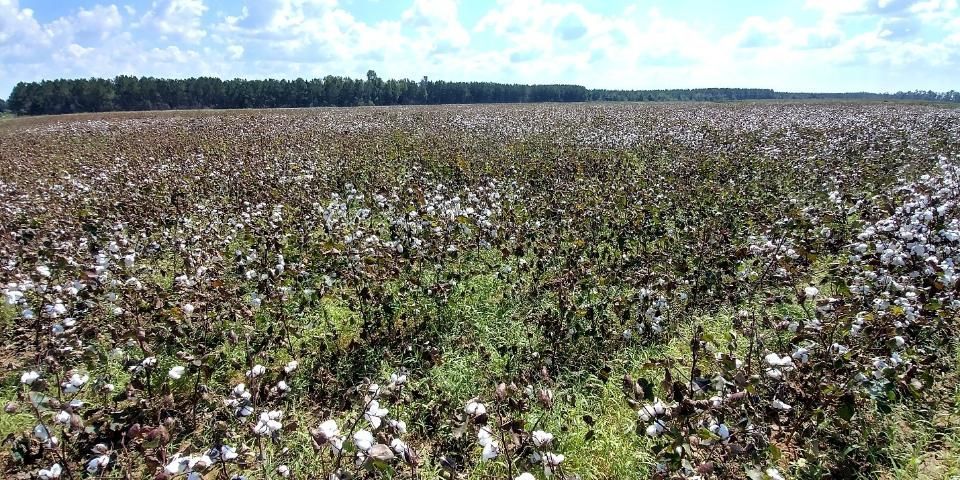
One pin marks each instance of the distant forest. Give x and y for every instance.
(148, 93)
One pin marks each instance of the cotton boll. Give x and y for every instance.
(656, 428)
(177, 372)
(256, 371)
(62, 418)
(50, 473)
(363, 440)
(779, 405)
(29, 377)
(490, 451)
(98, 463)
(541, 438)
(375, 414)
(475, 409)
(551, 461)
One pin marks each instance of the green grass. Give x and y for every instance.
(23, 420)
(162, 270)
(925, 444)
(487, 338)
(922, 447)
(332, 324)
(7, 314)
(613, 450)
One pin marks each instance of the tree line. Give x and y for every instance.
(147, 93)
(736, 94)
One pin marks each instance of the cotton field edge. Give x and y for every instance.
(760, 290)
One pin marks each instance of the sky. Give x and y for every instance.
(789, 45)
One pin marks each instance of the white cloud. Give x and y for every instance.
(926, 12)
(437, 25)
(99, 19)
(235, 51)
(179, 19)
(543, 34)
(308, 31)
(24, 39)
(856, 44)
(19, 30)
(78, 51)
(759, 32)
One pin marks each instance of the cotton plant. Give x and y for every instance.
(374, 438)
(706, 422)
(778, 366)
(191, 466)
(494, 425)
(269, 423)
(658, 415)
(222, 272)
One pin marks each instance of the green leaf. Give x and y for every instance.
(845, 411)
(775, 453)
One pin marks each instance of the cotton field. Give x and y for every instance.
(576, 291)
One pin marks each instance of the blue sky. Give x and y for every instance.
(795, 45)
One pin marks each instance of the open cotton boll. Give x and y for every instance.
(775, 360)
(363, 440)
(328, 429)
(399, 425)
(62, 418)
(224, 453)
(268, 423)
(75, 382)
(176, 466)
(97, 464)
(256, 371)
(177, 372)
(774, 474)
(551, 461)
(475, 409)
(801, 355)
(398, 378)
(375, 414)
(541, 438)
(779, 405)
(490, 450)
(484, 435)
(720, 430)
(42, 433)
(240, 390)
(29, 377)
(398, 446)
(656, 428)
(50, 473)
